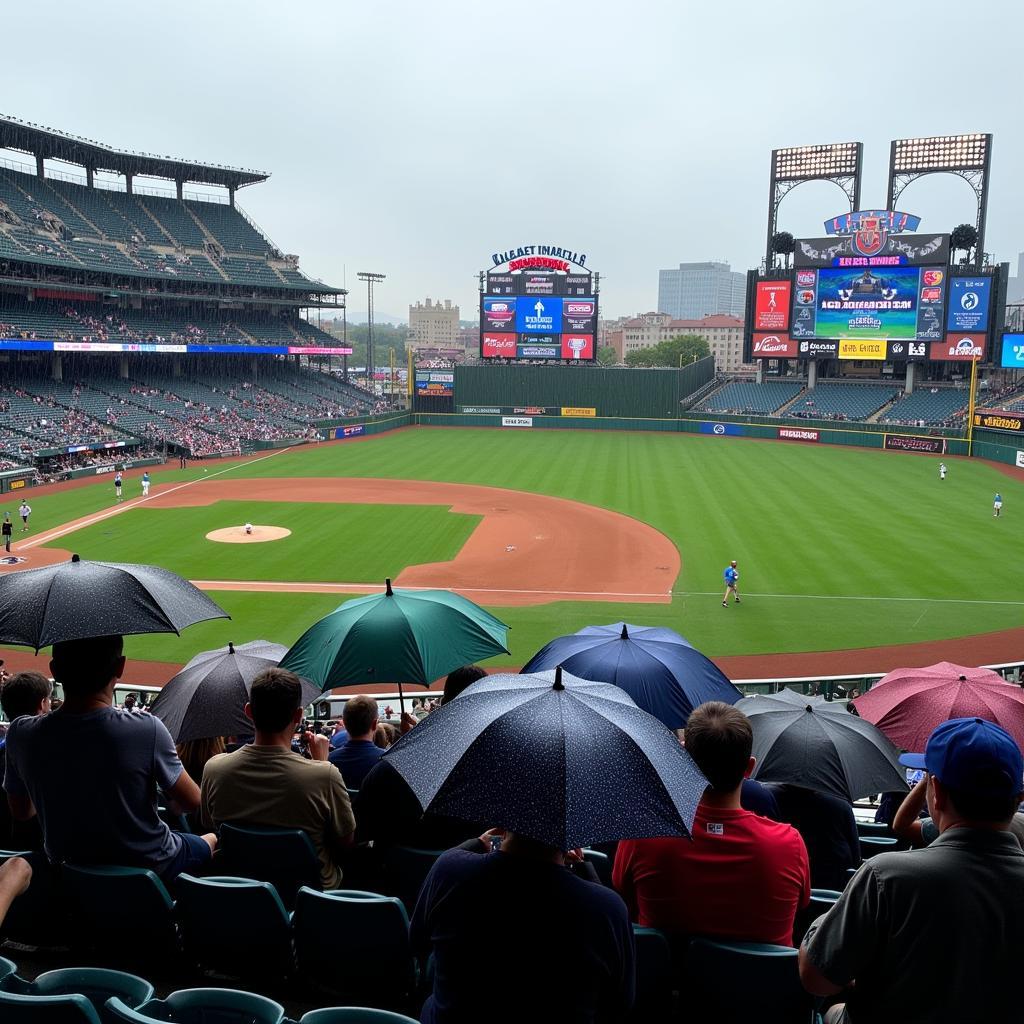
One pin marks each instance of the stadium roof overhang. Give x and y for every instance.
(51, 144)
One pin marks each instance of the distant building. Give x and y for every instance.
(1015, 285)
(434, 325)
(697, 290)
(724, 335)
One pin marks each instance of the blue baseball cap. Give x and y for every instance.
(973, 756)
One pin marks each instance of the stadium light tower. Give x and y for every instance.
(967, 156)
(838, 162)
(371, 279)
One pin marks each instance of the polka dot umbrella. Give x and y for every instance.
(561, 760)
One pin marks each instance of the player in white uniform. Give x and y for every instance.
(942, 471)
(248, 528)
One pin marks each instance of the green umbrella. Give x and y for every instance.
(400, 636)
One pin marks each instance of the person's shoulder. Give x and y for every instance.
(219, 764)
(777, 832)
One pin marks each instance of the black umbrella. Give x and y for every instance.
(819, 745)
(562, 760)
(208, 696)
(78, 599)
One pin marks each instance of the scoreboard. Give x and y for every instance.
(538, 315)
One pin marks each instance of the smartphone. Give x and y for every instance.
(496, 843)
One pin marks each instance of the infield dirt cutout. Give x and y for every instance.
(259, 535)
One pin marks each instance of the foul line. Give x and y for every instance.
(312, 586)
(852, 597)
(124, 506)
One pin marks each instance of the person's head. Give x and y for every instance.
(733, 563)
(25, 693)
(275, 701)
(89, 666)
(130, 700)
(461, 679)
(384, 735)
(194, 754)
(360, 717)
(975, 774)
(719, 739)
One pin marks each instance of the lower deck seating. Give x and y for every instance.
(746, 397)
(842, 401)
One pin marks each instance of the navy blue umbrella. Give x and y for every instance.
(662, 672)
(560, 760)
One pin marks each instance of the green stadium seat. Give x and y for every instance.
(96, 984)
(8, 969)
(201, 1006)
(235, 926)
(403, 871)
(654, 976)
(355, 943)
(871, 845)
(66, 1009)
(284, 857)
(353, 1015)
(822, 901)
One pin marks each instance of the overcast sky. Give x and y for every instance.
(415, 139)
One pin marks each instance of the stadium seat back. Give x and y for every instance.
(739, 982)
(125, 911)
(237, 926)
(354, 943)
(354, 1015)
(871, 845)
(404, 869)
(821, 902)
(873, 828)
(8, 969)
(96, 984)
(284, 857)
(654, 976)
(221, 1006)
(28, 1009)
(601, 863)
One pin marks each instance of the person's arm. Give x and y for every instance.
(177, 786)
(15, 875)
(906, 823)
(18, 799)
(340, 832)
(622, 878)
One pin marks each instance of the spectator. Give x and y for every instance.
(265, 783)
(759, 798)
(829, 831)
(893, 924)
(459, 680)
(385, 735)
(570, 939)
(195, 753)
(15, 876)
(358, 754)
(339, 736)
(24, 693)
(91, 772)
(741, 876)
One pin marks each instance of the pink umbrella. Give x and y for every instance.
(909, 703)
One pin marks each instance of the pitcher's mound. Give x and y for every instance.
(237, 534)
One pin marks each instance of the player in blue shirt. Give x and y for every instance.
(997, 506)
(732, 577)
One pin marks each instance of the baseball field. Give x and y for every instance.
(850, 560)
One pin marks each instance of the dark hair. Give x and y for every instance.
(84, 667)
(22, 694)
(719, 738)
(991, 805)
(275, 696)
(459, 680)
(359, 714)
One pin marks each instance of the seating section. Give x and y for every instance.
(842, 401)
(742, 397)
(929, 407)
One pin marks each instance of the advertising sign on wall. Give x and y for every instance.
(960, 348)
(502, 345)
(722, 429)
(855, 348)
(905, 443)
(771, 306)
(577, 346)
(969, 299)
(577, 411)
(773, 346)
(517, 421)
(999, 421)
(794, 434)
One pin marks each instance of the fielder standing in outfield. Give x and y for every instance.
(25, 510)
(997, 505)
(145, 484)
(942, 471)
(732, 577)
(117, 484)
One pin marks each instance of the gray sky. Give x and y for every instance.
(415, 139)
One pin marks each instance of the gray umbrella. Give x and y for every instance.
(208, 696)
(78, 599)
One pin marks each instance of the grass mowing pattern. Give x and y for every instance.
(827, 523)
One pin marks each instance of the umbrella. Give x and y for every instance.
(400, 636)
(821, 746)
(561, 760)
(78, 599)
(207, 697)
(661, 671)
(908, 703)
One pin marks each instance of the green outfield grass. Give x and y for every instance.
(838, 547)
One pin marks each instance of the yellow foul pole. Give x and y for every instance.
(971, 404)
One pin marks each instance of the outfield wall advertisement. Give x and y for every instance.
(906, 443)
(793, 434)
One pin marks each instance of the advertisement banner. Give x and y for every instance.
(498, 314)
(578, 316)
(577, 411)
(500, 345)
(534, 351)
(894, 250)
(1020, 461)
(483, 410)
(535, 410)
(969, 299)
(539, 316)
(794, 434)
(907, 351)
(577, 346)
(959, 348)
(854, 348)
(771, 306)
(999, 421)
(578, 284)
(517, 421)
(722, 429)
(905, 443)
(1013, 352)
(540, 284)
(22, 482)
(812, 349)
(343, 432)
(435, 384)
(501, 284)
(773, 346)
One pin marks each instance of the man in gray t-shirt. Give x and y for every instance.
(91, 772)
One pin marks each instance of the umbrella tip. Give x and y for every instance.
(963, 679)
(809, 708)
(231, 647)
(76, 558)
(624, 635)
(388, 590)
(559, 685)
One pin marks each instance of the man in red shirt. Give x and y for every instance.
(742, 876)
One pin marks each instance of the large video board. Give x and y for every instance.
(534, 319)
(867, 302)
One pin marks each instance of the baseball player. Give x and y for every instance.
(997, 505)
(732, 577)
(145, 484)
(117, 484)
(248, 528)
(24, 510)
(942, 471)
(6, 529)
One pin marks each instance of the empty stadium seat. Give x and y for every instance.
(353, 1015)
(284, 857)
(355, 943)
(65, 1009)
(930, 407)
(403, 871)
(95, 984)
(237, 926)
(746, 397)
(202, 1006)
(821, 902)
(842, 401)
(654, 976)
(870, 845)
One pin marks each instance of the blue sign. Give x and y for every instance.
(968, 304)
(1013, 352)
(732, 429)
(541, 314)
(343, 432)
